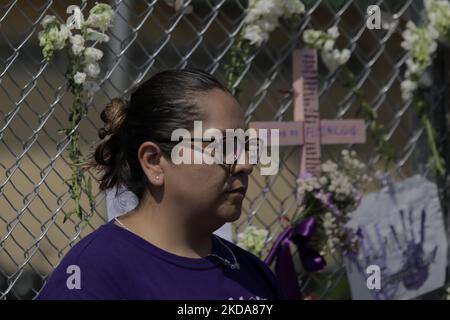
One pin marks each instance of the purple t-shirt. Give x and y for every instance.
(114, 263)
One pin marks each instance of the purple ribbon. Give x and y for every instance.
(284, 266)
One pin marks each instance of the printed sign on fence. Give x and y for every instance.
(403, 235)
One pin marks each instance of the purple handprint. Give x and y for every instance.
(374, 252)
(416, 262)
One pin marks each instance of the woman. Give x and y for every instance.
(165, 247)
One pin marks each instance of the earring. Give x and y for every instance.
(157, 177)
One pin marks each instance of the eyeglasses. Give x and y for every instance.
(230, 148)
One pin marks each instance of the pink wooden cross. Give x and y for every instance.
(307, 130)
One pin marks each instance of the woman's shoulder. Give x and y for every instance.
(100, 243)
(89, 268)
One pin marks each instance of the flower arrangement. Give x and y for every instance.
(325, 42)
(319, 227)
(421, 42)
(330, 199)
(253, 239)
(262, 17)
(74, 37)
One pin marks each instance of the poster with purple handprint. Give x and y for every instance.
(403, 235)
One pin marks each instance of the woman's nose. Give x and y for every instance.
(242, 168)
(245, 168)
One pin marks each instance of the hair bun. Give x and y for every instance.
(113, 116)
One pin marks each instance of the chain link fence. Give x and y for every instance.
(153, 35)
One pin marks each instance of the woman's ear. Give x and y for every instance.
(149, 155)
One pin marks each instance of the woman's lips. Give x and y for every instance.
(238, 192)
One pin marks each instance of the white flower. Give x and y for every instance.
(77, 42)
(94, 35)
(79, 77)
(331, 232)
(251, 17)
(331, 59)
(47, 21)
(328, 166)
(313, 38)
(268, 25)
(344, 56)
(329, 220)
(46, 44)
(48, 37)
(421, 43)
(336, 54)
(409, 36)
(407, 95)
(333, 32)
(293, 7)
(255, 35)
(53, 33)
(92, 69)
(323, 180)
(63, 34)
(413, 67)
(433, 47)
(407, 89)
(100, 16)
(266, 7)
(388, 22)
(252, 239)
(92, 54)
(408, 85)
(438, 15)
(53, 37)
(328, 46)
(263, 17)
(432, 32)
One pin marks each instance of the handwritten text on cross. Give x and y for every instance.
(307, 130)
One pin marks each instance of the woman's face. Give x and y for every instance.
(206, 189)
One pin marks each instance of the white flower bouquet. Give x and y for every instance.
(330, 199)
(325, 42)
(262, 17)
(421, 43)
(74, 37)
